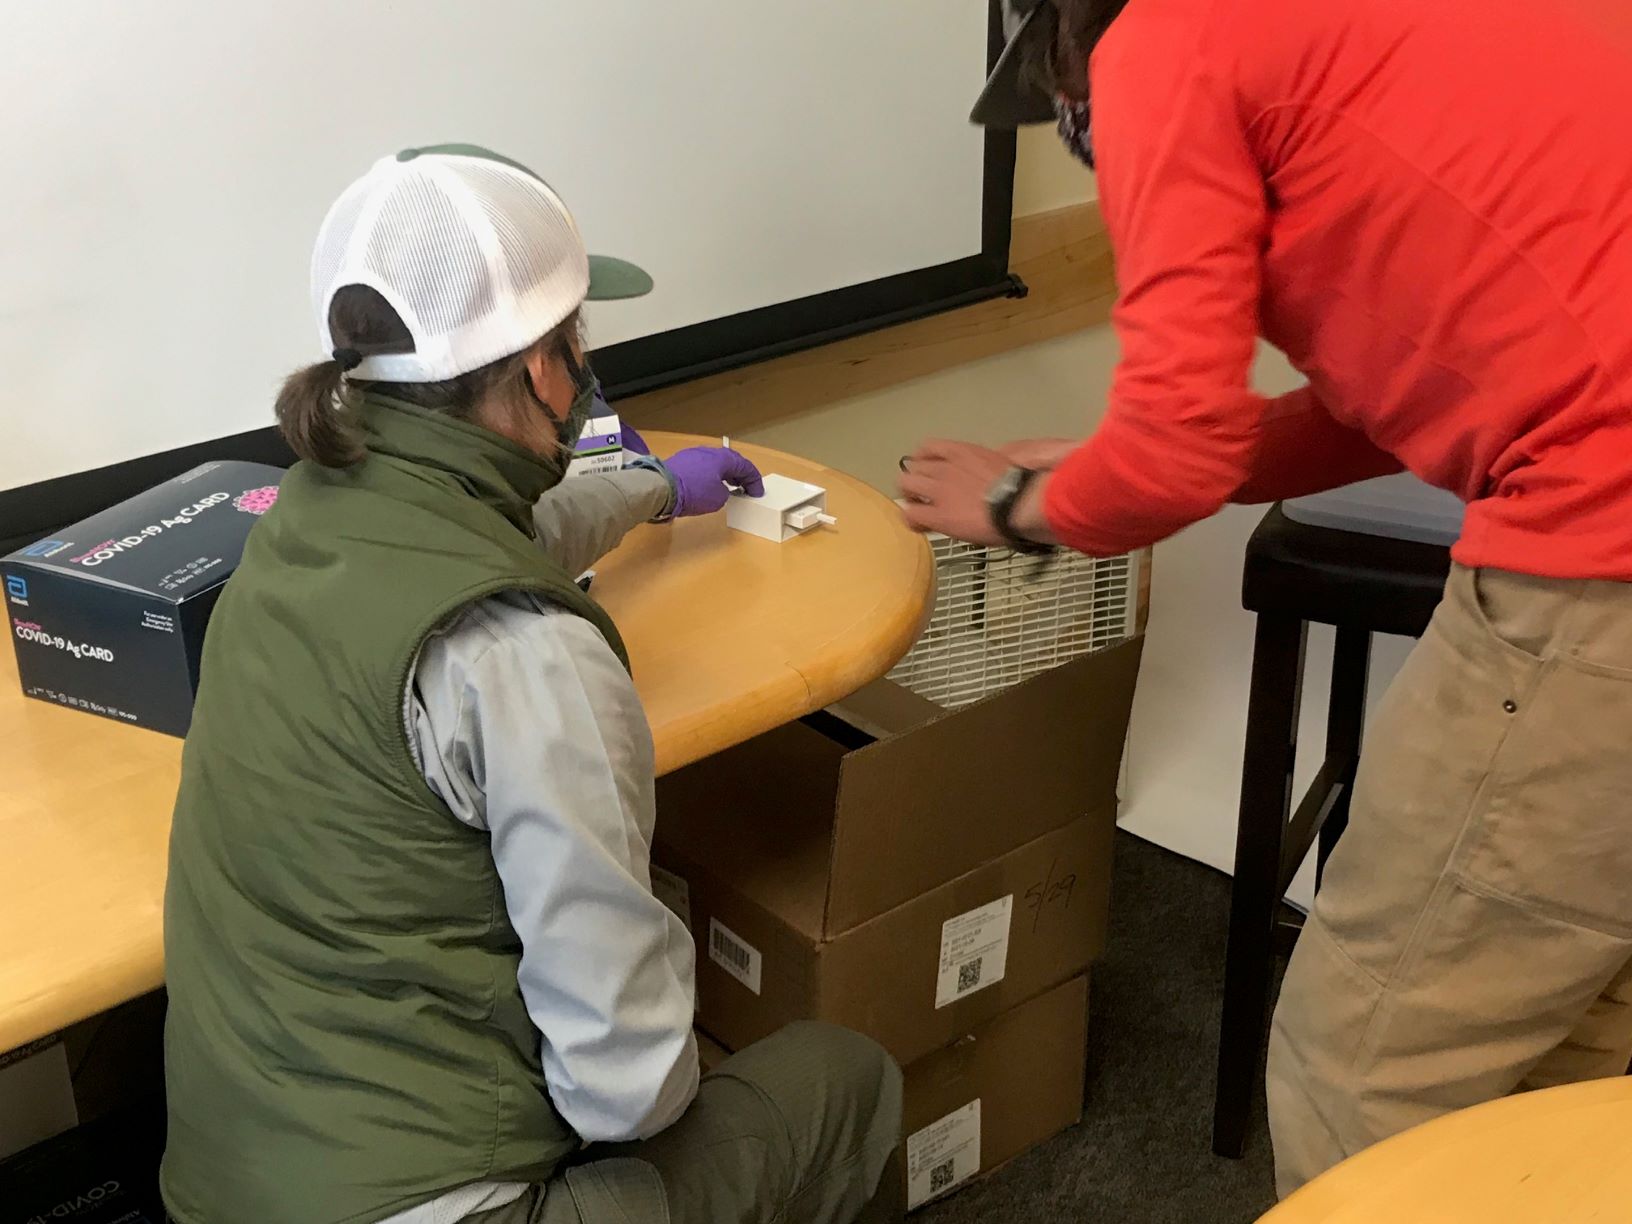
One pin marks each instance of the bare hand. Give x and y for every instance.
(945, 484)
(1042, 454)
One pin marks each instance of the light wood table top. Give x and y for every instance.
(728, 635)
(1559, 1156)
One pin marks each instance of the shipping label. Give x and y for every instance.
(734, 954)
(974, 951)
(943, 1155)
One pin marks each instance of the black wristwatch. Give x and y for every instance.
(1001, 500)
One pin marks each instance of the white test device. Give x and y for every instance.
(789, 508)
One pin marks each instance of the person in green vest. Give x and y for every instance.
(416, 970)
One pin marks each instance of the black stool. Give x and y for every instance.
(1295, 575)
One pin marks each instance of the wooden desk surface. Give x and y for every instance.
(728, 635)
(1560, 1156)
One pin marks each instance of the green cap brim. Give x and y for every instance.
(611, 280)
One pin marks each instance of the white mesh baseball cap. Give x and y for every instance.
(475, 252)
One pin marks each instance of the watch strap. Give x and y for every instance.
(1001, 503)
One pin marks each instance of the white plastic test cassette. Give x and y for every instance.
(789, 508)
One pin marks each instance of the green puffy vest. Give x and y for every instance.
(346, 1037)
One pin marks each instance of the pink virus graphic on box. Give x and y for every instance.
(256, 501)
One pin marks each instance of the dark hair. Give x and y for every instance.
(1082, 23)
(314, 408)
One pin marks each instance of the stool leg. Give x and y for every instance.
(1266, 801)
(1345, 716)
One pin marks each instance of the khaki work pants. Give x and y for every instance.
(1473, 933)
(797, 1129)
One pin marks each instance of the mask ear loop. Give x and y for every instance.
(578, 372)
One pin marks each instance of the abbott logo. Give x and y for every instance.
(17, 588)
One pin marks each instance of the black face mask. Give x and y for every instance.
(585, 389)
(1076, 127)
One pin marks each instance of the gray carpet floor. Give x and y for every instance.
(1143, 1152)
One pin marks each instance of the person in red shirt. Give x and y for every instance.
(1428, 207)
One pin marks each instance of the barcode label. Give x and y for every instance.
(943, 1155)
(969, 975)
(734, 954)
(974, 951)
(674, 892)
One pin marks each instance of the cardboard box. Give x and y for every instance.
(996, 1093)
(108, 615)
(988, 1097)
(910, 888)
(710, 1053)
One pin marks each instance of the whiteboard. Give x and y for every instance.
(169, 161)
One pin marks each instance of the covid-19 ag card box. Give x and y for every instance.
(108, 616)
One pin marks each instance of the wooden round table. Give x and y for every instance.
(1558, 1156)
(728, 636)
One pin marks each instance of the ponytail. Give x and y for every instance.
(314, 418)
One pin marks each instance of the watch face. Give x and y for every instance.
(1007, 486)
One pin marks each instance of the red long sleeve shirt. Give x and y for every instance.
(1428, 207)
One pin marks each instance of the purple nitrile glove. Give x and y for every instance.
(704, 477)
(633, 443)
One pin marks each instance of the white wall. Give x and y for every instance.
(1048, 389)
(1046, 177)
(1056, 388)
(180, 157)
